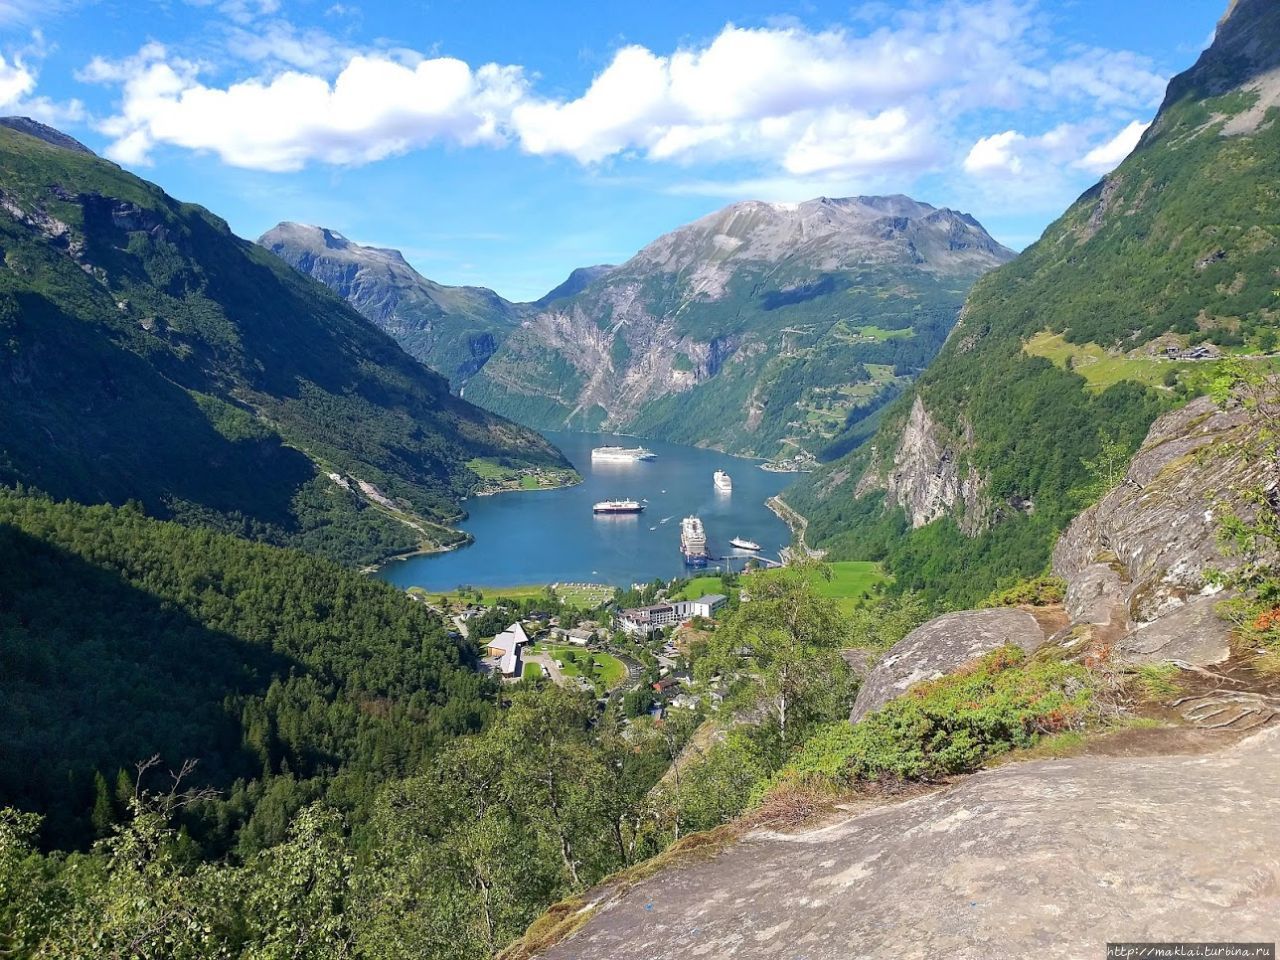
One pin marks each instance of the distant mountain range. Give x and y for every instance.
(453, 330)
(148, 354)
(761, 329)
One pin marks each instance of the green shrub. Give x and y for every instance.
(947, 726)
(1031, 592)
(1157, 681)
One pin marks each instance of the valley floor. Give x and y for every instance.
(1048, 858)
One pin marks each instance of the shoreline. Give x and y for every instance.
(537, 489)
(426, 550)
(797, 523)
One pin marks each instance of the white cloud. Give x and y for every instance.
(28, 11)
(16, 81)
(1107, 156)
(374, 108)
(17, 84)
(891, 95)
(1044, 158)
(996, 154)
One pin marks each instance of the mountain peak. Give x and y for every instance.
(577, 281)
(1245, 49)
(34, 128)
(288, 234)
(451, 329)
(837, 232)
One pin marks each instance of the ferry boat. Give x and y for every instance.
(615, 454)
(723, 482)
(618, 506)
(693, 542)
(743, 544)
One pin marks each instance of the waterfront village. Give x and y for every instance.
(628, 645)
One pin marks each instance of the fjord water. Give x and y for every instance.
(549, 536)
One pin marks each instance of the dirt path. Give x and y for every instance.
(1049, 859)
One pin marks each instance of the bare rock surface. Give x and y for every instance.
(929, 477)
(1192, 634)
(1139, 560)
(939, 647)
(1047, 859)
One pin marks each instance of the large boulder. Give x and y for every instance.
(941, 646)
(1139, 560)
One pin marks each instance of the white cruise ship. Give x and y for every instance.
(616, 454)
(723, 482)
(693, 542)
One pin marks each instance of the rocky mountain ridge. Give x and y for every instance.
(758, 328)
(454, 330)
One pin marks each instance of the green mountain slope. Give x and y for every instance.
(1082, 339)
(760, 329)
(147, 353)
(453, 330)
(286, 677)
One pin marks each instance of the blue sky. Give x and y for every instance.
(503, 144)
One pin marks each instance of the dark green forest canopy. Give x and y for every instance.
(148, 353)
(286, 677)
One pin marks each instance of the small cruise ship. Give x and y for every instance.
(723, 482)
(693, 542)
(618, 506)
(742, 543)
(615, 454)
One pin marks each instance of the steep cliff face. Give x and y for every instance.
(1067, 349)
(454, 330)
(1143, 566)
(760, 328)
(929, 476)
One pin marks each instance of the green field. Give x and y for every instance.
(700, 587)
(608, 668)
(1101, 368)
(487, 594)
(850, 579)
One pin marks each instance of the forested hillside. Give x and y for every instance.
(1065, 356)
(148, 353)
(287, 678)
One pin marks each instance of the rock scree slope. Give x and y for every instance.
(1048, 858)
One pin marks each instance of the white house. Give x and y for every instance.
(706, 606)
(506, 647)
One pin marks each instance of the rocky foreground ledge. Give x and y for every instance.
(1042, 859)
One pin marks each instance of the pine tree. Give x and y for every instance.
(104, 812)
